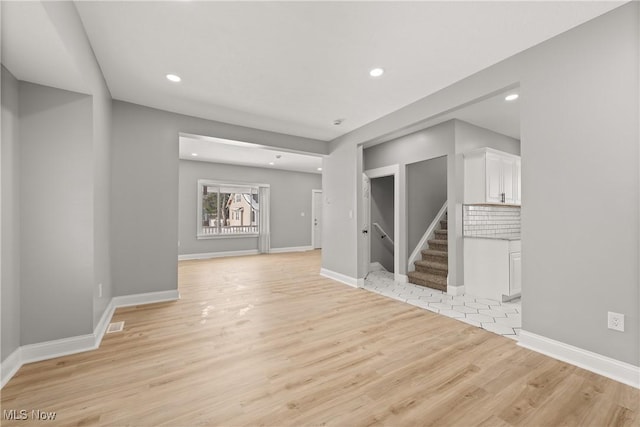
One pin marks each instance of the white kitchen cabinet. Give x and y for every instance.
(492, 268)
(491, 177)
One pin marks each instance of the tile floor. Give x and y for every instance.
(495, 316)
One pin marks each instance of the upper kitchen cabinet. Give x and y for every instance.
(491, 177)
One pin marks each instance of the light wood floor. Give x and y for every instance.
(264, 340)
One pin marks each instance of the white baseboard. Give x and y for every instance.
(455, 290)
(148, 298)
(63, 347)
(402, 278)
(56, 348)
(594, 362)
(9, 366)
(207, 255)
(360, 282)
(291, 249)
(347, 280)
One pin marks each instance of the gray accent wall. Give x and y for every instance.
(10, 203)
(290, 197)
(426, 193)
(56, 214)
(579, 146)
(382, 214)
(144, 189)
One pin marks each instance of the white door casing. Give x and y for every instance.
(316, 219)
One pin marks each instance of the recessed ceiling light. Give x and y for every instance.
(511, 97)
(194, 154)
(173, 78)
(271, 163)
(319, 169)
(376, 72)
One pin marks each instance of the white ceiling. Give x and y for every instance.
(294, 67)
(290, 67)
(243, 153)
(32, 49)
(494, 113)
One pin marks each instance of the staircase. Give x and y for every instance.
(432, 269)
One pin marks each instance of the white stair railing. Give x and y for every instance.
(383, 235)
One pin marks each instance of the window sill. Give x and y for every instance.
(226, 236)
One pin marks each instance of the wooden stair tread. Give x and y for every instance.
(433, 264)
(438, 242)
(428, 280)
(434, 253)
(428, 277)
(442, 233)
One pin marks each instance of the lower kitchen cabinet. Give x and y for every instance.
(492, 268)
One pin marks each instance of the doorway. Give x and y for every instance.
(381, 220)
(316, 219)
(381, 246)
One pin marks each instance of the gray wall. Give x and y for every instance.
(144, 189)
(101, 203)
(426, 193)
(579, 142)
(382, 213)
(290, 196)
(10, 203)
(581, 150)
(56, 210)
(341, 223)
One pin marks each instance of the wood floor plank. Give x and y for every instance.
(265, 340)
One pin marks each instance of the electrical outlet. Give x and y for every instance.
(615, 321)
(99, 290)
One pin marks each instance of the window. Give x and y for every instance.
(226, 210)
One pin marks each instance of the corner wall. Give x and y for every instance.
(56, 213)
(10, 203)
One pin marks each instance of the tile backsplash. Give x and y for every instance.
(490, 220)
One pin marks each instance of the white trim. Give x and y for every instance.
(425, 237)
(594, 362)
(455, 290)
(148, 298)
(207, 255)
(290, 249)
(100, 329)
(10, 366)
(313, 217)
(227, 236)
(56, 348)
(402, 278)
(51, 349)
(339, 277)
(360, 282)
(391, 170)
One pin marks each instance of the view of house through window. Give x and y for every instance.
(227, 209)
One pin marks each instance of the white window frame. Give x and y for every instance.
(213, 183)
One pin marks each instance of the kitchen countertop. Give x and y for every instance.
(509, 237)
